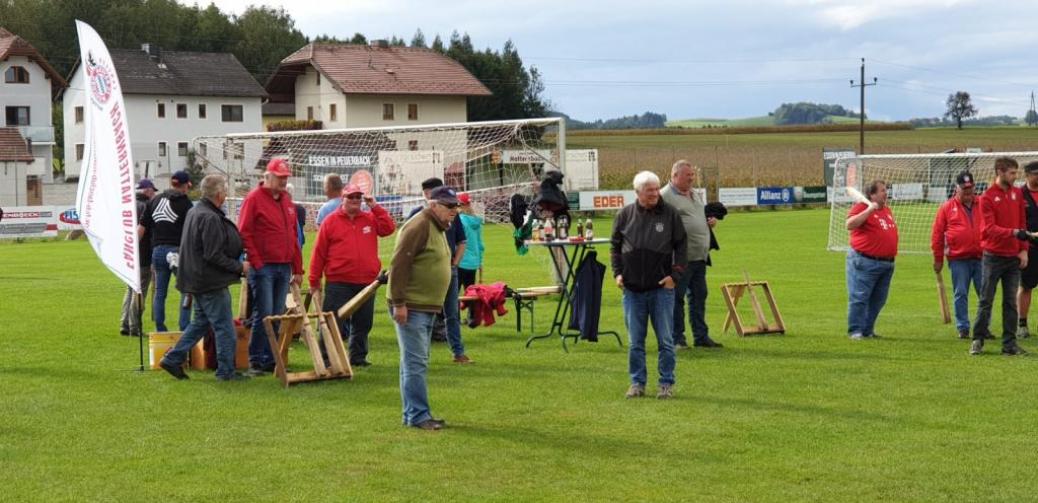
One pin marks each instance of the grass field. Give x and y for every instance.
(809, 416)
(736, 160)
(763, 120)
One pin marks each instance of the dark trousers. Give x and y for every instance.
(467, 278)
(691, 284)
(994, 270)
(356, 328)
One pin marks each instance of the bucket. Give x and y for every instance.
(159, 343)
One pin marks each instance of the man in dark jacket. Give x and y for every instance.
(648, 252)
(209, 263)
(164, 219)
(132, 305)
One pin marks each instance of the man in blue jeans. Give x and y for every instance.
(164, 220)
(208, 265)
(648, 251)
(956, 234)
(419, 276)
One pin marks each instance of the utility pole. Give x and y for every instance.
(862, 84)
(1032, 104)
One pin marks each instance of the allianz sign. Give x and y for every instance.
(774, 195)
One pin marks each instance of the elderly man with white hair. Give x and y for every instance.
(648, 253)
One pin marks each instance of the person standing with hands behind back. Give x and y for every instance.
(647, 251)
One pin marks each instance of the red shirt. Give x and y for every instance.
(876, 237)
(956, 232)
(268, 230)
(346, 250)
(1002, 212)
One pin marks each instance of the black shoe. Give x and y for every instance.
(472, 323)
(124, 331)
(429, 425)
(237, 376)
(709, 343)
(964, 334)
(174, 370)
(989, 337)
(443, 424)
(681, 345)
(255, 371)
(1013, 350)
(362, 363)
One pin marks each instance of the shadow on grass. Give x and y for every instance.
(810, 410)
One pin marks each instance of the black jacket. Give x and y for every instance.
(647, 245)
(144, 245)
(587, 297)
(210, 251)
(164, 217)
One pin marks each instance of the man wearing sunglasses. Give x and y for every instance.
(346, 254)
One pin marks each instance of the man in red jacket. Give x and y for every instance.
(1004, 242)
(273, 258)
(956, 233)
(346, 253)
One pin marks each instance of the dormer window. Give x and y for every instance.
(16, 75)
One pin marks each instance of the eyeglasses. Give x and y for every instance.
(450, 206)
(355, 196)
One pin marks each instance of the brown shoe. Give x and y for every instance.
(665, 392)
(463, 360)
(428, 425)
(635, 391)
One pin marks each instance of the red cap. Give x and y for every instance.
(464, 198)
(279, 167)
(351, 188)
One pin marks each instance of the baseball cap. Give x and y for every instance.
(181, 177)
(1031, 167)
(964, 180)
(444, 195)
(464, 198)
(278, 167)
(144, 183)
(431, 183)
(352, 188)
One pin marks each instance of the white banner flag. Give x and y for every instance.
(105, 201)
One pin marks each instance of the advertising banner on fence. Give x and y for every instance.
(738, 196)
(601, 200)
(105, 201)
(810, 195)
(28, 222)
(829, 158)
(767, 196)
(68, 218)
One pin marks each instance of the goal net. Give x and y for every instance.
(490, 161)
(916, 184)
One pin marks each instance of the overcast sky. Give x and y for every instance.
(694, 59)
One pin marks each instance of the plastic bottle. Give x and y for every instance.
(536, 231)
(563, 230)
(589, 232)
(549, 230)
(580, 229)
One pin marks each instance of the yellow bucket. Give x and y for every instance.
(159, 343)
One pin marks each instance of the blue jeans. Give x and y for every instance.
(210, 309)
(868, 283)
(692, 282)
(964, 272)
(414, 338)
(639, 307)
(452, 317)
(269, 286)
(162, 277)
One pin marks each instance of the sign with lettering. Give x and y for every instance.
(774, 195)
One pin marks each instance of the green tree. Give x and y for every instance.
(960, 107)
(418, 40)
(267, 36)
(1031, 118)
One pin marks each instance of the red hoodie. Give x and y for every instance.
(1002, 212)
(956, 232)
(346, 250)
(268, 230)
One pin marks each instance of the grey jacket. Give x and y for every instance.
(210, 250)
(647, 245)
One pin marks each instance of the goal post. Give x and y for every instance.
(489, 160)
(917, 185)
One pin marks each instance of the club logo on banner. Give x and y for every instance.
(100, 81)
(774, 195)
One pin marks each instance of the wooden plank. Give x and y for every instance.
(279, 360)
(337, 350)
(762, 322)
(779, 323)
(358, 300)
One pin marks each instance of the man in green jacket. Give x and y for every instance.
(419, 275)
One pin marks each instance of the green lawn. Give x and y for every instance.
(763, 120)
(806, 416)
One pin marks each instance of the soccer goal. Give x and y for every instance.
(917, 185)
(489, 160)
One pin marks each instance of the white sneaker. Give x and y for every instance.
(857, 336)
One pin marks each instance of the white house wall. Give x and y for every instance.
(37, 96)
(365, 110)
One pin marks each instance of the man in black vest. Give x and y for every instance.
(1028, 276)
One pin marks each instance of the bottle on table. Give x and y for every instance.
(549, 230)
(563, 230)
(536, 233)
(580, 229)
(589, 232)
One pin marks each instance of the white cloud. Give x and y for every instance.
(850, 14)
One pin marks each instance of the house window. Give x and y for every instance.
(332, 116)
(412, 145)
(387, 111)
(203, 149)
(79, 151)
(231, 113)
(412, 111)
(79, 115)
(161, 110)
(182, 149)
(318, 77)
(162, 149)
(201, 110)
(16, 75)
(309, 113)
(17, 116)
(181, 110)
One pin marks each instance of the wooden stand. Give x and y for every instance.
(732, 292)
(298, 321)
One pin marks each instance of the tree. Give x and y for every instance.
(960, 107)
(267, 36)
(419, 39)
(1031, 118)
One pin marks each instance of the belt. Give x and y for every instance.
(881, 259)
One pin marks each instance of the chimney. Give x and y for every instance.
(154, 51)
(381, 43)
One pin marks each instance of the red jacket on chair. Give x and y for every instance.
(489, 298)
